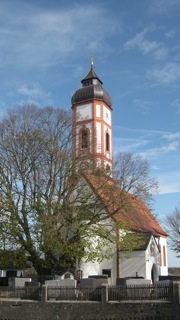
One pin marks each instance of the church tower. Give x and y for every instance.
(92, 122)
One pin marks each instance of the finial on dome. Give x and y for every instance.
(92, 63)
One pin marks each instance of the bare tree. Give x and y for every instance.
(131, 173)
(43, 203)
(35, 166)
(48, 211)
(172, 225)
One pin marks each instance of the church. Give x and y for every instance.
(92, 125)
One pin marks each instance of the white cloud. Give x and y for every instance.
(2, 109)
(156, 49)
(154, 153)
(143, 105)
(150, 144)
(166, 75)
(33, 91)
(169, 182)
(140, 131)
(128, 145)
(163, 6)
(176, 104)
(172, 32)
(35, 36)
(173, 146)
(172, 136)
(160, 148)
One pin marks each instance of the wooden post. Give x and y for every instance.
(44, 293)
(104, 293)
(176, 291)
(117, 253)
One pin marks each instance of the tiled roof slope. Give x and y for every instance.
(124, 207)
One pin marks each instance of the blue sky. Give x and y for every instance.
(45, 49)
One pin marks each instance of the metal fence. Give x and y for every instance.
(141, 292)
(163, 292)
(28, 293)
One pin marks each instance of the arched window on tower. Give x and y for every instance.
(84, 139)
(107, 141)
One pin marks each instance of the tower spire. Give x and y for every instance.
(92, 114)
(91, 60)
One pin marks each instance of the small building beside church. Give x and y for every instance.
(92, 126)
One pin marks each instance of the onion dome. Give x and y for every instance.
(91, 90)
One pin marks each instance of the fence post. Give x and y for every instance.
(104, 293)
(44, 293)
(176, 291)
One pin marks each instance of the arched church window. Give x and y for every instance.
(107, 141)
(84, 139)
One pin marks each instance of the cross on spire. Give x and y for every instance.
(91, 61)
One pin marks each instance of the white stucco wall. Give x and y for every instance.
(98, 111)
(107, 115)
(98, 137)
(89, 269)
(96, 268)
(110, 265)
(152, 260)
(139, 263)
(164, 260)
(132, 264)
(84, 112)
(2, 273)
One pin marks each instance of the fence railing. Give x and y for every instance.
(141, 292)
(28, 293)
(162, 292)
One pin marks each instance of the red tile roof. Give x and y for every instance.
(124, 207)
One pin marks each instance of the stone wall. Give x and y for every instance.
(31, 310)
